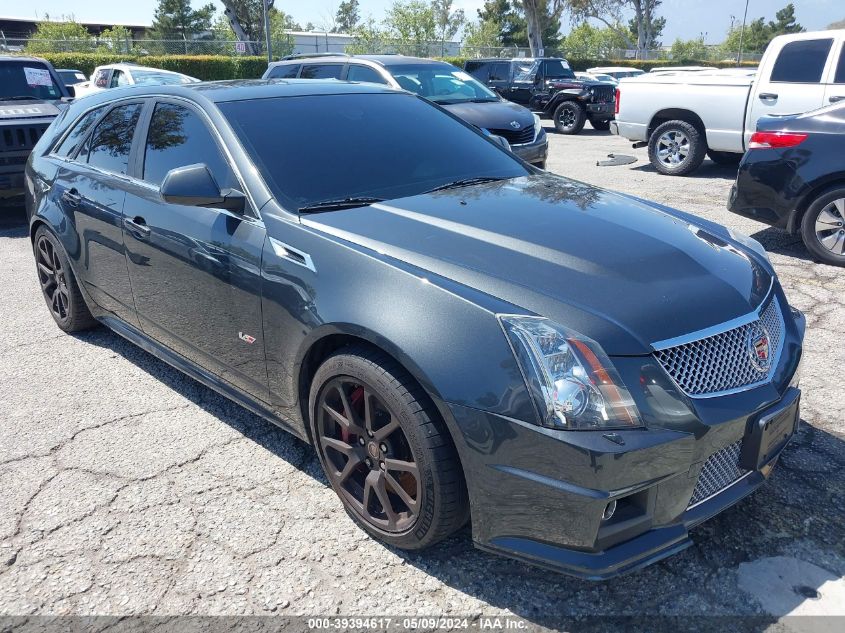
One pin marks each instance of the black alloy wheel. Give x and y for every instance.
(368, 456)
(58, 284)
(385, 449)
(569, 118)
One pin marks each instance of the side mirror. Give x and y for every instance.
(194, 186)
(71, 91)
(501, 140)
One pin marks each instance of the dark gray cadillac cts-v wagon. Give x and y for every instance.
(582, 374)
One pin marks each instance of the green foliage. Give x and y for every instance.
(412, 24)
(482, 34)
(586, 40)
(510, 16)
(369, 38)
(175, 19)
(54, 36)
(347, 16)
(581, 64)
(688, 50)
(785, 22)
(117, 39)
(758, 33)
(447, 22)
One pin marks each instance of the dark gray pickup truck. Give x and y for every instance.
(31, 96)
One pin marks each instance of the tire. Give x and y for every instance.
(826, 244)
(601, 126)
(438, 492)
(728, 159)
(684, 145)
(58, 284)
(569, 118)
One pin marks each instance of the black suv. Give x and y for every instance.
(30, 93)
(549, 86)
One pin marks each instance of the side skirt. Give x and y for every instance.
(199, 374)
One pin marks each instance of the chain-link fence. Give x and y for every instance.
(135, 47)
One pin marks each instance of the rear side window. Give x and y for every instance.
(500, 71)
(364, 73)
(802, 62)
(479, 70)
(284, 72)
(109, 145)
(321, 71)
(100, 78)
(178, 137)
(78, 133)
(840, 68)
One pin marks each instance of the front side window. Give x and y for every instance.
(109, 145)
(802, 61)
(78, 133)
(27, 80)
(178, 137)
(311, 149)
(479, 70)
(118, 78)
(558, 69)
(526, 72)
(289, 71)
(364, 73)
(441, 83)
(321, 71)
(840, 68)
(499, 71)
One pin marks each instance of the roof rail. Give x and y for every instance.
(307, 55)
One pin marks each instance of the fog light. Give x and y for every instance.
(609, 509)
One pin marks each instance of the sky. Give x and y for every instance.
(685, 18)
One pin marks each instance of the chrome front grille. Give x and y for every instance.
(724, 361)
(719, 471)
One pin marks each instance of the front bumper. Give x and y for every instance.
(535, 152)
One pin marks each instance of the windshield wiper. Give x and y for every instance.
(466, 182)
(341, 203)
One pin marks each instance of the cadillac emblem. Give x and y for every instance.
(759, 347)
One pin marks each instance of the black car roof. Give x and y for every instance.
(383, 60)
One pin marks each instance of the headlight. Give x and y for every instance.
(573, 383)
(538, 126)
(750, 243)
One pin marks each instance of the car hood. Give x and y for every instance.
(21, 109)
(496, 115)
(617, 269)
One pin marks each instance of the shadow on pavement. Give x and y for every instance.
(783, 243)
(708, 169)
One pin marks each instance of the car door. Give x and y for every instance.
(525, 75)
(835, 89)
(195, 271)
(90, 186)
(794, 81)
(499, 78)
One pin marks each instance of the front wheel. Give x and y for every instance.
(823, 227)
(385, 450)
(569, 117)
(602, 126)
(676, 148)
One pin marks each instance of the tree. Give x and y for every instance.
(413, 25)
(63, 35)
(117, 39)
(175, 19)
(447, 23)
(369, 38)
(689, 50)
(609, 12)
(785, 22)
(347, 16)
(482, 34)
(542, 19)
(588, 41)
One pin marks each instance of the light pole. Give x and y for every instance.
(741, 35)
(268, 4)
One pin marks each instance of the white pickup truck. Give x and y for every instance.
(686, 116)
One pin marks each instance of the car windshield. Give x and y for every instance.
(312, 149)
(441, 83)
(31, 79)
(152, 77)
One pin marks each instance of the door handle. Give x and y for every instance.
(766, 96)
(72, 197)
(836, 98)
(137, 226)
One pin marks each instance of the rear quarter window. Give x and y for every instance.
(321, 71)
(284, 72)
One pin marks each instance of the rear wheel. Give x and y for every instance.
(724, 158)
(676, 148)
(58, 284)
(385, 451)
(569, 118)
(823, 227)
(602, 126)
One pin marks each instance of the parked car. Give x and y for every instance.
(71, 77)
(548, 86)
(793, 177)
(661, 70)
(442, 83)
(31, 95)
(617, 72)
(684, 117)
(457, 333)
(607, 79)
(126, 74)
